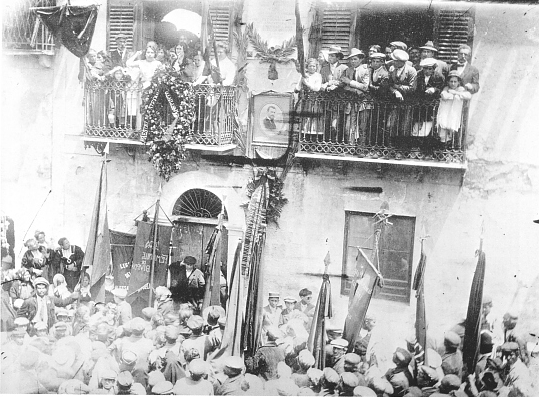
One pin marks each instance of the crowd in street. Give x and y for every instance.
(58, 339)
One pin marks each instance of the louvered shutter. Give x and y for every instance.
(336, 28)
(120, 20)
(220, 16)
(452, 29)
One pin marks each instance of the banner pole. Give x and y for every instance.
(154, 246)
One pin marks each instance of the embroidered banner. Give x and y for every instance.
(122, 246)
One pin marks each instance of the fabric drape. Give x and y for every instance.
(421, 321)
(122, 246)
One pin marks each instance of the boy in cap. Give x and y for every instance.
(124, 308)
(194, 384)
(519, 373)
(233, 369)
(271, 314)
(340, 346)
(163, 388)
(429, 82)
(305, 304)
(163, 300)
(429, 51)
(511, 334)
(290, 303)
(400, 376)
(197, 340)
(452, 358)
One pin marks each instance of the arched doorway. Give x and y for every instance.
(195, 217)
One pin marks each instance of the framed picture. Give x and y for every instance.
(271, 118)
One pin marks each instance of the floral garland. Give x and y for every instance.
(276, 200)
(167, 142)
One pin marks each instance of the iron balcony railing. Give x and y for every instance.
(113, 109)
(23, 31)
(341, 123)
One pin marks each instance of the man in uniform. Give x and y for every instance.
(124, 308)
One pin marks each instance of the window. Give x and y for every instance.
(362, 25)
(395, 251)
(121, 21)
(198, 203)
(220, 17)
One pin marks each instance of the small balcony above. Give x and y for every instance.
(340, 126)
(23, 32)
(113, 114)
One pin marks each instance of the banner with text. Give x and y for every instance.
(122, 246)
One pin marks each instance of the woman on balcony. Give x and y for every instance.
(183, 64)
(312, 81)
(147, 66)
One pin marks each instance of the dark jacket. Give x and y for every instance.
(470, 75)
(436, 81)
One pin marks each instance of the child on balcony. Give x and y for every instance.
(117, 79)
(452, 99)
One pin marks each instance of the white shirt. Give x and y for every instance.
(41, 314)
(228, 71)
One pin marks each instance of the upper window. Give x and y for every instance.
(395, 253)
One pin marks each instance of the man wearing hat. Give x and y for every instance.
(400, 376)
(107, 383)
(124, 308)
(330, 380)
(136, 343)
(347, 384)
(332, 72)
(42, 306)
(519, 373)
(469, 75)
(511, 334)
(233, 369)
(197, 340)
(119, 56)
(340, 346)
(271, 314)
(289, 311)
(163, 300)
(379, 77)
(194, 384)
(429, 81)
(305, 304)
(163, 388)
(452, 357)
(394, 45)
(429, 51)
(427, 379)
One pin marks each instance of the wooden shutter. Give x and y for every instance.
(453, 28)
(220, 16)
(121, 19)
(337, 27)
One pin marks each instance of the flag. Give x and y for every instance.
(472, 338)
(299, 40)
(360, 298)
(122, 246)
(97, 256)
(317, 337)
(420, 316)
(212, 293)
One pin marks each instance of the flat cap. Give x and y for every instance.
(376, 55)
(60, 325)
(427, 62)
(149, 312)
(273, 295)
(233, 362)
(195, 322)
(402, 356)
(129, 357)
(137, 325)
(120, 293)
(364, 391)
(349, 379)
(399, 44)
(163, 388)
(399, 55)
(190, 260)
(352, 358)
(331, 376)
(42, 281)
(450, 382)
(60, 311)
(109, 374)
(125, 379)
(172, 332)
(510, 347)
(155, 377)
(305, 358)
(339, 342)
(22, 322)
(197, 367)
(290, 299)
(452, 339)
(40, 325)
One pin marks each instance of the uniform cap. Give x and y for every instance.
(273, 295)
(234, 362)
(155, 377)
(427, 62)
(195, 322)
(352, 358)
(349, 379)
(22, 322)
(172, 332)
(399, 55)
(331, 376)
(399, 44)
(42, 281)
(163, 388)
(129, 357)
(339, 342)
(120, 293)
(363, 391)
(290, 299)
(138, 325)
(149, 312)
(197, 367)
(125, 379)
(452, 339)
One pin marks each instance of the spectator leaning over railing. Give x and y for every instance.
(429, 85)
(227, 70)
(429, 51)
(332, 72)
(147, 66)
(312, 79)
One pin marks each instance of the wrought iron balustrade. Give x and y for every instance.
(340, 123)
(113, 109)
(23, 30)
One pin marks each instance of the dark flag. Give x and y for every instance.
(122, 246)
(317, 337)
(360, 298)
(472, 338)
(97, 256)
(299, 40)
(212, 293)
(420, 316)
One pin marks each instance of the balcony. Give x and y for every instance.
(339, 126)
(112, 113)
(23, 32)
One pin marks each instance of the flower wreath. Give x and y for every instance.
(166, 142)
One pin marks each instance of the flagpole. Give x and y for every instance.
(154, 246)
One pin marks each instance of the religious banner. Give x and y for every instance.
(122, 246)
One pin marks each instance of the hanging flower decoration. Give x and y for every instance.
(272, 55)
(276, 199)
(168, 98)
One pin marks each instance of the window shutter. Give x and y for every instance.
(220, 16)
(452, 29)
(121, 20)
(336, 28)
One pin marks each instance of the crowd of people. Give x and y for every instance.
(403, 76)
(123, 76)
(60, 339)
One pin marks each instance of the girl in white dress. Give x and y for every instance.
(450, 110)
(147, 66)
